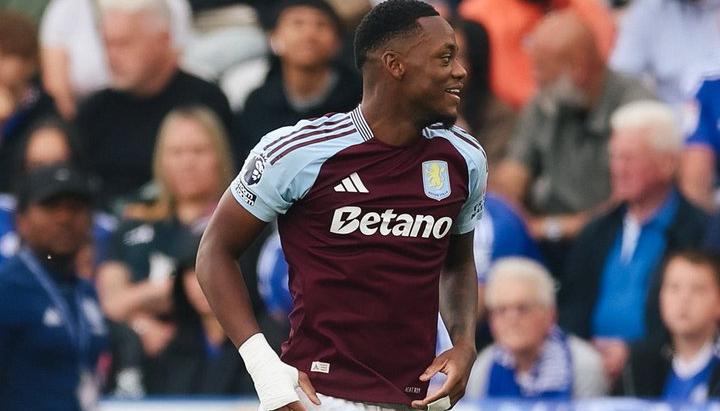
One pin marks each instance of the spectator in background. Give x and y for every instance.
(561, 141)
(482, 113)
(118, 126)
(227, 33)
(74, 64)
(50, 142)
(51, 328)
(509, 22)
(192, 167)
(610, 289)
(531, 358)
(699, 165)
(22, 100)
(304, 81)
(200, 359)
(673, 44)
(686, 368)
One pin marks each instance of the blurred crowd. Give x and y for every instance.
(596, 255)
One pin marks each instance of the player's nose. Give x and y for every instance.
(458, 71)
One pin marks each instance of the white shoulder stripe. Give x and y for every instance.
(361, 124)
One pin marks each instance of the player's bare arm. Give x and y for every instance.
(229, 233)
(458, 301)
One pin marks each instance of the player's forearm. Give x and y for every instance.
(458, 303)
(222, 282)
(458, 290)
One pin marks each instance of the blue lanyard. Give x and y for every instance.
(79, 335)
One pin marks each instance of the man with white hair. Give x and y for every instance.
(531, 358)
(118, 125)
(609, 290)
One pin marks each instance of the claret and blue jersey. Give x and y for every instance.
(365, 228)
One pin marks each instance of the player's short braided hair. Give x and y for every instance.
(386, 21)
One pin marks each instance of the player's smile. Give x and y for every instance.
(455, 92)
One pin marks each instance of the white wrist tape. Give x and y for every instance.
(275, 381)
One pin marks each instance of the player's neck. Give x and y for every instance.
(305, 82)
(390, 123)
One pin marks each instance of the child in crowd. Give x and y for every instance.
(685, 368)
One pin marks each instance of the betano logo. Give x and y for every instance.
(349, 219)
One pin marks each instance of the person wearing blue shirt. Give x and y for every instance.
(52, 331)
(685, 368)
(609, 290)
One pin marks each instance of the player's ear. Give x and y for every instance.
(393, 64)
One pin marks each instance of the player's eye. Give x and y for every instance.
(446, 59)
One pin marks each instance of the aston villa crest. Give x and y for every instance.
(436, 179)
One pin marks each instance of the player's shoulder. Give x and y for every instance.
(308, 140)
(464, 142)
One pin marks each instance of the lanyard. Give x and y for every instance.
(78, 331)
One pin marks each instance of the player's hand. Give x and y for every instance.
(307, 388)
(456, 364)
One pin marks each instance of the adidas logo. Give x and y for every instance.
(351, 184)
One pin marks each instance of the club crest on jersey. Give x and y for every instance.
(253, 170)
(436, 179)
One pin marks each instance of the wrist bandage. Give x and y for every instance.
(275, 381)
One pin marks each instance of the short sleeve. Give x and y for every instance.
(260, 189)
(267, 189)
(473, 208)
(282, 168)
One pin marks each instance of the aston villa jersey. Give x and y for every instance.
(365, 228)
